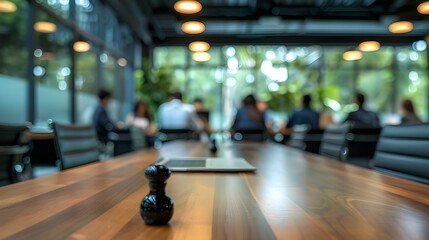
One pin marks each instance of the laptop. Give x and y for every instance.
(207, 164)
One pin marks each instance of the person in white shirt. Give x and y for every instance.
(177, 115)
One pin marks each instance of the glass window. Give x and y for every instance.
(172, 56)
(61, 7)
(377, 86)
(112, 30)
(377, 60)
(215, 58)
(88, 16)
(13, 64)
(334, 58)
(414, 85)
(52, 72)
(280, 75)
(108, 69)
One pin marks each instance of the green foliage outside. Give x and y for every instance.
(153, 86)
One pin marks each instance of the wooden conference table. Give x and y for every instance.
(293, 195)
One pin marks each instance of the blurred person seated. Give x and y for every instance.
(198, 105)
(177, 115)
(306, 115)
(142, 120)
(408, 114)
(363, 118)
(103, 124)
(249, 118)
(202, 114)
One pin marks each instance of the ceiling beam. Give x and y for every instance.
(291, 40)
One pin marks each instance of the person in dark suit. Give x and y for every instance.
(103, 124)
(306, 115)
(363, 118)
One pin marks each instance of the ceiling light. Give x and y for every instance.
(199, 46)
(7, 7)
(352, 55)
(187, 6)
(201, 56)
(45, 27)
(423, 8)
(122, 62)
(401, 27)
(369, 46)
(81, 46)
(193, 27)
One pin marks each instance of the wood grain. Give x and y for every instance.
(292, 195)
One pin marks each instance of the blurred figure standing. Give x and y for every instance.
(408, 113)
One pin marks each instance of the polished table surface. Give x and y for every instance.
(292, 195)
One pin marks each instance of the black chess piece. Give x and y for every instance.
(157, 208)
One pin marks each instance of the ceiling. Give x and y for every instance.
(275, 21)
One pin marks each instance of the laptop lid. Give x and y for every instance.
(203, 164)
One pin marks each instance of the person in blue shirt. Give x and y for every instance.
(306, 115)
(249, 117)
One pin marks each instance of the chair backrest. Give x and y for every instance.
(15, 166)
(307, 139)
(257, 135)
(11, 134)
(76, 145)
(138, 138)
(361, 142)
(403, 151)
(334, 140)
(298, 135)
(127, 140)
(166, 135)
(122, 141)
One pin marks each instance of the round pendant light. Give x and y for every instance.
(193, 27)
(122, 62)
(401, 27)
(199, 46)
(352, 55)
(45, 27)
(201, 56)
(187, 6)
(7, 7)
(81, 46)
(423, 8)
(369, 46)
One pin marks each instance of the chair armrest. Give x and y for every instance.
(15, 149)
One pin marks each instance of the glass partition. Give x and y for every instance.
(13, 64)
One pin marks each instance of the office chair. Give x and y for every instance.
(403, 151)
(15, 164)
(76, 145)
(257, 135)
(304, 138)
(334, 141)
(166, 135)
